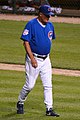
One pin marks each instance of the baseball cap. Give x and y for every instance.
(46, 10)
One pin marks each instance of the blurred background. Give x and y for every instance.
(59, 7)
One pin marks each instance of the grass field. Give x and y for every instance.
(66, 92)
(65, 52)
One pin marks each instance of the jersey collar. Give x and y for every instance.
(41, 23)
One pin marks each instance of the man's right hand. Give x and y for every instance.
(34, 63)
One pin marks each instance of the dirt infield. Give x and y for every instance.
(28, 17)
(54, 70)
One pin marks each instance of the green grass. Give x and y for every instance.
(65, 52)
(66, 49)
(66, 92)
(11, 49)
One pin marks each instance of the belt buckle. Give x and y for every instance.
(40, 56)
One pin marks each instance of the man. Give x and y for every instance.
(37, 37)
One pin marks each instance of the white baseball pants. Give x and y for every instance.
(45, 71)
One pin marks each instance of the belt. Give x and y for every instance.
(39, 56)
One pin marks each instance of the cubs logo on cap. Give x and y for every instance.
(46, 10)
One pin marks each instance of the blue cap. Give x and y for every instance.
(46, 10)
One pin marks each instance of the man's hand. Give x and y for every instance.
(34, 63)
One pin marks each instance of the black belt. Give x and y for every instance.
(42, 57)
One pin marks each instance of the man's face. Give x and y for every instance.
(44, 18)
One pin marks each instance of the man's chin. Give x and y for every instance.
(45, 23)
